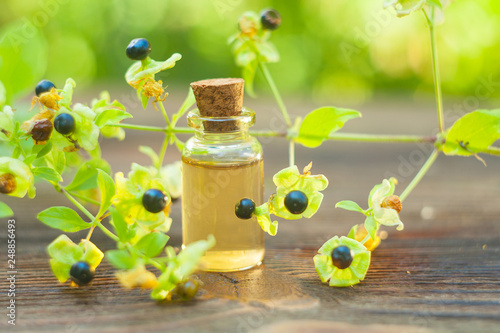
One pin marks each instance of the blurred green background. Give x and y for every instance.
(333, 51)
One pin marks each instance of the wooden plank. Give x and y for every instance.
(439, 274)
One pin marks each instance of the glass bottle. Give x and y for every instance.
(222, 164)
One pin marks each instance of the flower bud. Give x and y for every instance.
(392, 202)
(7, 183)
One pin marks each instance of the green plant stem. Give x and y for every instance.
(106, 231)
(140, 127)
(164, 113)
(357, 137)
(366, 239)
(18, 144)
(78, 205)
(435, 71)
(183, 130)
(492, 151)
(90, 232)
(156, 264)
(419, 175)
(274, 89)
(291, 153)
(90, 216)
(84, 198)
(380, 138)
(163, 152)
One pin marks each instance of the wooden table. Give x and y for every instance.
(440, 274)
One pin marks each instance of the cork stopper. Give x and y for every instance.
(219, 98)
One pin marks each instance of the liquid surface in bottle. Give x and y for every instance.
(210, 193)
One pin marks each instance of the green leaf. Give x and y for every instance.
(189, 258)
(352, 232)
(67, 93)
(16, 152)
(5, 210)
(46, 148)
(111, 116)
(121, 259)
(144, 100)
(435, 3)
(121, 227)
(268, 52)
(319, 123)
(56, 160)
(349, 205)
(473, 133)
(152, 244)
(186, 105)
(371, 226)
(47, 173)
(86, 176)
(107, 188)
(148, 68)
(29, 160)
(63, 218)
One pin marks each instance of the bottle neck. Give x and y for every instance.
(232, 136)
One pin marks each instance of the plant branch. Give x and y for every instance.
(78, 205)
(435, 71)
(419, 175)
(291, 153)
(380, 138)
(164, 113)
(106, 231)
(334, 137)
(366, 239)
(274, 89)
(163, 151)
(140, 127)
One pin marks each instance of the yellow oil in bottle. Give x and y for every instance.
(210, 193)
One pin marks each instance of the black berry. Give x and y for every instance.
(41, 130)
(244, 208)
(138, 49)
(64, 123)
(296, 202)
(81, 273)
(154, 201)
(270, 19)
(43, 87)
(342, 257)
(187, 290)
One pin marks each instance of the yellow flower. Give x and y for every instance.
(359, 233)
(290, 179)
(129, 196)
(15, 178)
(138, 277)
(342, 277)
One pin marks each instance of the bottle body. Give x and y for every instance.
(218, 170)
